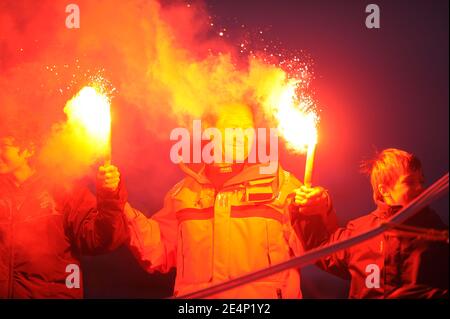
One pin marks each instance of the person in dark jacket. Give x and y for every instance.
(402, 263)
(45, 228)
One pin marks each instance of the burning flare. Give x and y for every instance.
(90, 112)
(297, 121)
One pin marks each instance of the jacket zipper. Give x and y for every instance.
(182, 253)
(279, 292)
(268, 245)
(11, 253)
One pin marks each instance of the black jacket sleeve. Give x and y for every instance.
(96, 225)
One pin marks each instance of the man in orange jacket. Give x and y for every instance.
(223, 221)
(395, 264)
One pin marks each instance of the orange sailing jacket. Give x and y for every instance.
(212, 236)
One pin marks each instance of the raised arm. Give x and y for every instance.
(153, 241)
(315, 223)
(97, 225)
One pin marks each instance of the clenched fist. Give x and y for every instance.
(108, 178)
(311, 198)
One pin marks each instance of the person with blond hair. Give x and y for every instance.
(394, 264)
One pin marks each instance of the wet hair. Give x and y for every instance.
(22, 137)
(239, 111)
(25, 135)
(387, 166)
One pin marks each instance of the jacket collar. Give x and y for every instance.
(385, 211)
(250, 172)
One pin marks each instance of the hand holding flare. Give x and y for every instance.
(108, 178)
(90, 111)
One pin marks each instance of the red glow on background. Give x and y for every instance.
(370, 93)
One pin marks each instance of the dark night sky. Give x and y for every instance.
(379, 88)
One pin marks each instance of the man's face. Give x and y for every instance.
(12, 157)
(236, 127)
(406, 188)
